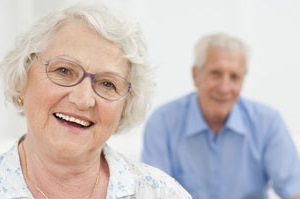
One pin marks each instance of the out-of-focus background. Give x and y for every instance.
(270, 27)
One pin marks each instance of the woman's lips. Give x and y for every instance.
(73, 120)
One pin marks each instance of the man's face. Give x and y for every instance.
(219, 83)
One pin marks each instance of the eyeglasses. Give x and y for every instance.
(68, 73)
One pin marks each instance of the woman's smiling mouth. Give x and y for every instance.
(72, 120)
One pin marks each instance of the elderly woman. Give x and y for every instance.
(79, 76)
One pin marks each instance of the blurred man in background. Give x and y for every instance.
(216, 143)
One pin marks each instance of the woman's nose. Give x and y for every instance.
(83, 95)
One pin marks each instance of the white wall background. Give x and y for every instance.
(270, 27)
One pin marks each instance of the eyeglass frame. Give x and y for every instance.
(86, 74)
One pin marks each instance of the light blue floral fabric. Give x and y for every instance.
(128, 179)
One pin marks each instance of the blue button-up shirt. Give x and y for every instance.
(128, 179)
(253, 150)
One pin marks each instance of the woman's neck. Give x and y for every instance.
(74, 179)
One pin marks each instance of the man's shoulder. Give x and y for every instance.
(256, 107)
(175, 106)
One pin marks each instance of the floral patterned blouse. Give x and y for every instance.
(128, 179)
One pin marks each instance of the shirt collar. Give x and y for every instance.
(194, 119)
(121, 181)
(235, 120)
(197, 124)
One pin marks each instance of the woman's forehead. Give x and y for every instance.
(83, 44)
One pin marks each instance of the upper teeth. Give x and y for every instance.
(73, 119)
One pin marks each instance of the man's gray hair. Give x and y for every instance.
(220, 41)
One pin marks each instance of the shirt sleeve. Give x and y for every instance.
(156, 143)
(282, 160)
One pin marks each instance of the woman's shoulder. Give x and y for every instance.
(146, 179)
(8, 158)
(156, 180)
(11, 177)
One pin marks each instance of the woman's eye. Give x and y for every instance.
(108, 84)
(64, 71)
